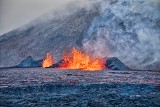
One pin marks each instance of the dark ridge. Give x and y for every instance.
(29, 62)
(114, 63)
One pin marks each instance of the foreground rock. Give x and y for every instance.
(114, 63)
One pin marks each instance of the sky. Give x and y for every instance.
(15, 13)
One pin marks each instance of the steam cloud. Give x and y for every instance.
(129, 30)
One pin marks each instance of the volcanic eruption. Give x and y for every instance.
(127, 29)
(103, 54)
(76, 59)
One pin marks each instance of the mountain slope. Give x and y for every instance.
(54, 35)
(129, 30)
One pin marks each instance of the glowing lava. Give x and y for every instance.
(79, 60)
(48, 60)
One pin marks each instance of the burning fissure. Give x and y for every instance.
(76, 59)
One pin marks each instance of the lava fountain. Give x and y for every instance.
(47, 61)
(76, 59)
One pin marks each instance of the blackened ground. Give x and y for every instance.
(67, 88)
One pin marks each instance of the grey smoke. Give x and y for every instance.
(129, 30)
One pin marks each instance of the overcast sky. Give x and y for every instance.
(15, 13)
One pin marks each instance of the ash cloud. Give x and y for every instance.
(129, 30)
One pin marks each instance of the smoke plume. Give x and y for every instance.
(129, 30)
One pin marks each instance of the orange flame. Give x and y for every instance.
(48, 61)
(79, 60)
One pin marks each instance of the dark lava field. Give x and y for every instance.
(75, 88)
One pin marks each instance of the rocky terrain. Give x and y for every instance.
(66, 88)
